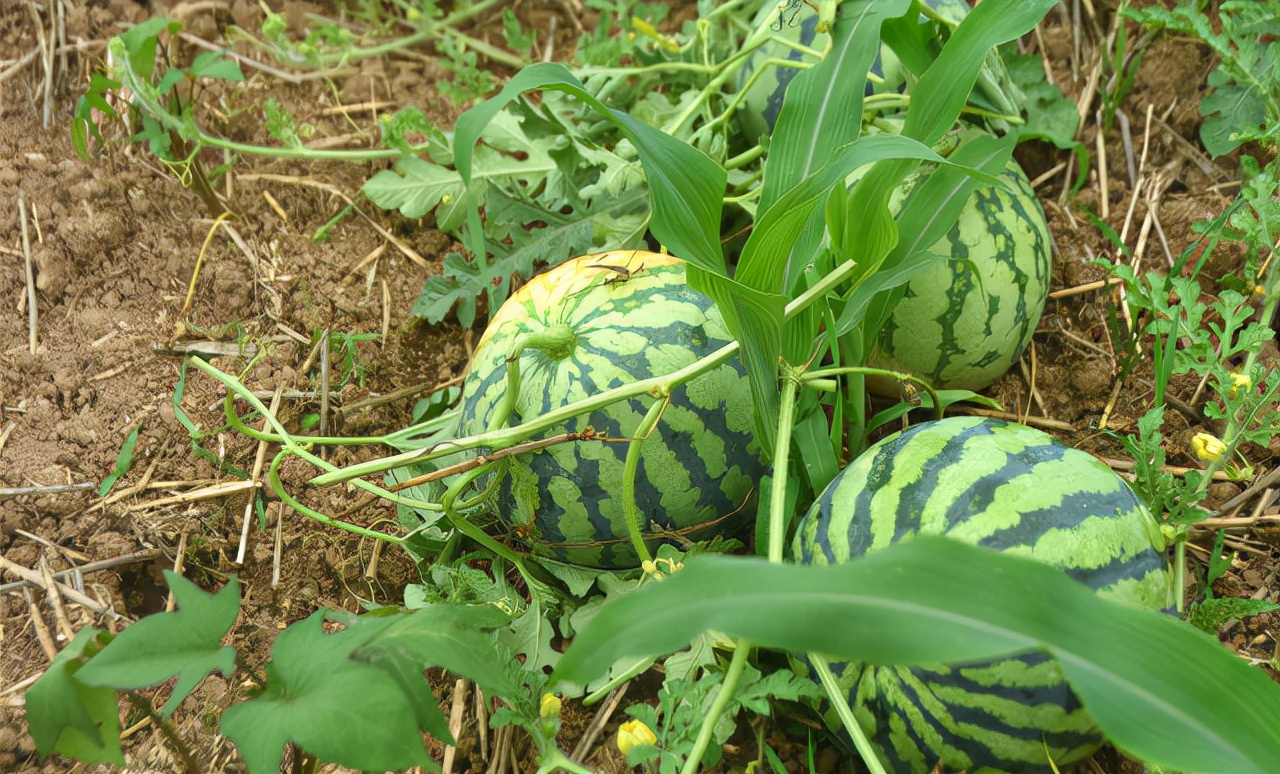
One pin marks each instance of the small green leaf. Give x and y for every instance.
(1232, 112)
(216, 65)
(1050, 115)
(1211, 614)
(70, 718)
(124, 460)
(186, 644)
(339, 709)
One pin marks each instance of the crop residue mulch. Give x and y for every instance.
(114, 245)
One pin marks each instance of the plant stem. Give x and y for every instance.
(630, 513)
(822, 373)
(189, 763)
(841, 704)
(513, 435)
(277, 486)
(741, 650)
(781, 461)
(777, 536)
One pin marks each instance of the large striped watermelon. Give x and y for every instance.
(621, 317)
(962, 323)
(1010, 488)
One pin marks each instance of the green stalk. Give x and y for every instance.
(841, 704)
(630, 513)
(500, 439)
(781, 460)
(151, 101)
(235, 387)
(777, 536)
(737, 664)
(819, 377)
(277, 486)
(461, 524)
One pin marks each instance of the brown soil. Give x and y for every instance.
(114, 245)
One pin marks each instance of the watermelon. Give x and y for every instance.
(1010, 488)
(616, 318)
(962, 323)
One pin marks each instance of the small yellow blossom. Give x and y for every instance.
(1240, 382)
(1207, 447)
(550, 707)
(633, 734)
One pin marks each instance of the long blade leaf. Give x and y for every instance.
(1158, 687)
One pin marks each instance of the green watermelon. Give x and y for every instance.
(620, 317)
(1014, 489)
(961, 324)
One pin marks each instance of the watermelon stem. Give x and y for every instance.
(460, 523)
(556, 342)
(791, 380)
(816, 378)
(630, 513)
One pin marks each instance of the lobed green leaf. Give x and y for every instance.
(186, 644)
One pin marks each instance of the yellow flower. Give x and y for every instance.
(633, 734)
(1207, 447)
(550, 706)
(1240, 382)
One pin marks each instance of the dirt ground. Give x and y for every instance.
(114, 245)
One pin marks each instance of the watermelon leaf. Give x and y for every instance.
(1160, 689)
(186, 644)
(685, 185)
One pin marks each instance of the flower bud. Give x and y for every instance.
(1207, 447)
(633, 734)
(1239, 382)
(550, 706)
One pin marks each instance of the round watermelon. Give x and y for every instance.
(1010, 488)
(591, 324)
(962, 323)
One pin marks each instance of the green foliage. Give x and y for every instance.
(69, 717)
(1210, 718)
(157, 109)
(124, 461)
(346, 347)
(547, 200)
(1050, 115)
(1175, 498)
(185, 644)
(1244, 105)
(1211, 613)
(355, 696)
(469, 82)
(683, 704)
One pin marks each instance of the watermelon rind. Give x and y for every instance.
(1010, 488)
(965, 320)
(631, 316)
